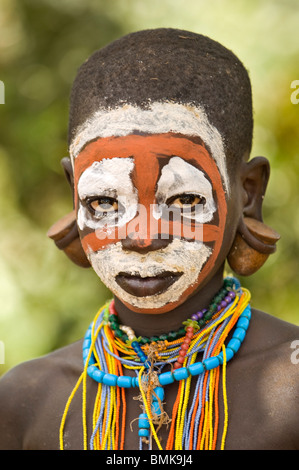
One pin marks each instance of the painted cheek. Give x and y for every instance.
(110, 177)
(92, 240)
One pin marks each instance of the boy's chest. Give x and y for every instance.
(260, 406)
(243, 417)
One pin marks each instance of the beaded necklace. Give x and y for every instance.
(110, 348)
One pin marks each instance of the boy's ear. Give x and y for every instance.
(69, 172)
(255, 177)
(65, 231)
(254, 240)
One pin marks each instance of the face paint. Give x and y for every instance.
(149, 172)
(157, 118)
(180, 261)
(180, 177)
(111, 179)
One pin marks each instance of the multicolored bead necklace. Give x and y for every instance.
(109, 348)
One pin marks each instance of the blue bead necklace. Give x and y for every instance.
(97, 369)
(168, 377)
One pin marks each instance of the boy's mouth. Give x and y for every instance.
(144, 286)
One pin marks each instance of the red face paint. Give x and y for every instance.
(150, 154)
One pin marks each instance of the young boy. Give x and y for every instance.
(164, 192)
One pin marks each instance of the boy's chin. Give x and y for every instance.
(161, 302)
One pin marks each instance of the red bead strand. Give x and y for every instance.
(184, 347)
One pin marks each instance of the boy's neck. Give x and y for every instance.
(156, 324)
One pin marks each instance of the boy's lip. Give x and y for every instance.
(144, 286)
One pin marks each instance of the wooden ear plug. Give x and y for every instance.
(253, 244)
(66, 237)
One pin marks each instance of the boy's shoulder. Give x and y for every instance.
(263, 386)
(267, 332)
(62, 362)
(37, 388)
(271, 346)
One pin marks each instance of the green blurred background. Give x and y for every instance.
(46, 301)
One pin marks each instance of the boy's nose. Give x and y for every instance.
(145, 233)
(134, 243)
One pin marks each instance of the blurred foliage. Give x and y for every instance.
(46, 301)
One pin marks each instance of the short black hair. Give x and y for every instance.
(171, 65)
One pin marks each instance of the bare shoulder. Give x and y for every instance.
(267, 374)
(278, 342)
(270, 337)
(269, 330)
(273, 342)
(36, 391)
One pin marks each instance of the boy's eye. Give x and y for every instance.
(103, 205)
(186, 201)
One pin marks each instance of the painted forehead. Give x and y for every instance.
(159, 118)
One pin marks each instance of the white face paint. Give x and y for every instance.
(179, 177)
(178, 257)
(158, 118)
(111, 178)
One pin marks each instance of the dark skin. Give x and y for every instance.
(262, 381)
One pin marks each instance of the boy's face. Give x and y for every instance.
(151, 213)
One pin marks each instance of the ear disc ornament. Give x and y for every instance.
(66, 237)
(253, 244)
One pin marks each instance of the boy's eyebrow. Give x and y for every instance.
(164, 155)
